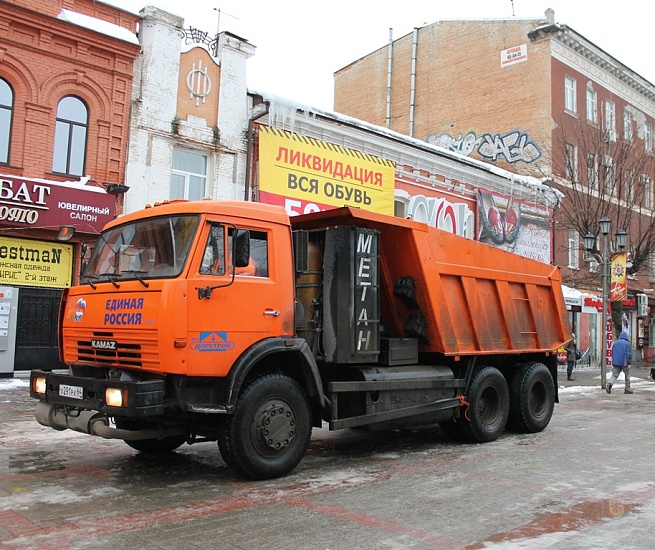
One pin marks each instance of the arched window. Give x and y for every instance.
(70, 137)
(6, 111)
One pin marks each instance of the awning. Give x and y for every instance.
(572, 298)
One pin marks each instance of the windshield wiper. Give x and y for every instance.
(112, 278)
(90, 279)
(136, 274)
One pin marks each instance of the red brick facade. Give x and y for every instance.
(460, 86)
(44, 59)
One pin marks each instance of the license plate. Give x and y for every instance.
(71, 391)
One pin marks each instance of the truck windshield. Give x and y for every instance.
(145, 249)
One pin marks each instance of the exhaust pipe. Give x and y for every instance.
(95, 423)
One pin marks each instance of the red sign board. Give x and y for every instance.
(43, 204)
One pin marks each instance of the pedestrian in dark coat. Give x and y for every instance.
(571, 357)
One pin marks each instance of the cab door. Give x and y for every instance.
(230, 309)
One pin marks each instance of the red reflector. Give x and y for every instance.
(179, 343)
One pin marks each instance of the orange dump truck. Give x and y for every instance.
(227, 321)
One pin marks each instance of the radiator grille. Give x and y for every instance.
(131, 350)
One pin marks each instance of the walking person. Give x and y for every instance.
(621, 361)
(571, 357)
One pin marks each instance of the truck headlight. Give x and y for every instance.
(38, 385)
(114, 397)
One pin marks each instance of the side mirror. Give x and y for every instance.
(241, 252)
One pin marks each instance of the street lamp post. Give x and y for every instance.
(605, 261)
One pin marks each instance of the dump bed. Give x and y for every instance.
(460, 296)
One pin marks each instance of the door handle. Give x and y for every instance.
(273, 312)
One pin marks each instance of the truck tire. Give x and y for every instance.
(488, 398)
(269, 432)
(532, 398)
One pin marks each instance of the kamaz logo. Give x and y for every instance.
(103, 344)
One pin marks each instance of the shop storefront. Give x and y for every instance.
(36, 264)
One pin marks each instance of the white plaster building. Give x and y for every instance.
(189, 114)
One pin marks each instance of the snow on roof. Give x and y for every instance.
(99, 26)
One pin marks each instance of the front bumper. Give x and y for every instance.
(142, 398)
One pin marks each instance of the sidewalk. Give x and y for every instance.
(590, 376)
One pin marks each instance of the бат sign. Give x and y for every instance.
(46, 204)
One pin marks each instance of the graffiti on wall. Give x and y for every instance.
(437, 212)
(464, 145)
(512, 147)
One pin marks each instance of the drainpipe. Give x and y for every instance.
(412, 95)
(389, 59)
(250, 145)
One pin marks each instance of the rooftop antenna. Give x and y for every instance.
(218, 21)
(512, 1)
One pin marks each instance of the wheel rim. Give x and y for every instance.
(273, 427)
(538, 399)
(489, 407)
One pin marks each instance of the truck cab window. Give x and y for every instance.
(213, 259)
(150, 248)
(258, 265)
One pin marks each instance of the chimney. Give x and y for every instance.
(550, 16)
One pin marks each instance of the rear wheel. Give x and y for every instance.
(269, 432)
(532, 398)
(488, 398)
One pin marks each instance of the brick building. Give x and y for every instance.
(66, 72)
(535, 97)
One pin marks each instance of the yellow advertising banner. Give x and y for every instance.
(618, 285)
(305, 175)
(35, 263)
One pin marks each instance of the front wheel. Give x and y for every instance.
(269, 432)
(488, 398)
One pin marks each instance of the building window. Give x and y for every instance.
(571, 163)
(569, 94)
(648, 191)
(6, 111)
(608, 174)
(592, 170)
(629, 187)
(627, 126)
(592, 104)
(189, 175)
(648, 137)
(610, 121)
(574, 249)
(70, 137)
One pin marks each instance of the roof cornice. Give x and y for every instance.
(564, 38)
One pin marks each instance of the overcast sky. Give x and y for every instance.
(302, 43)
